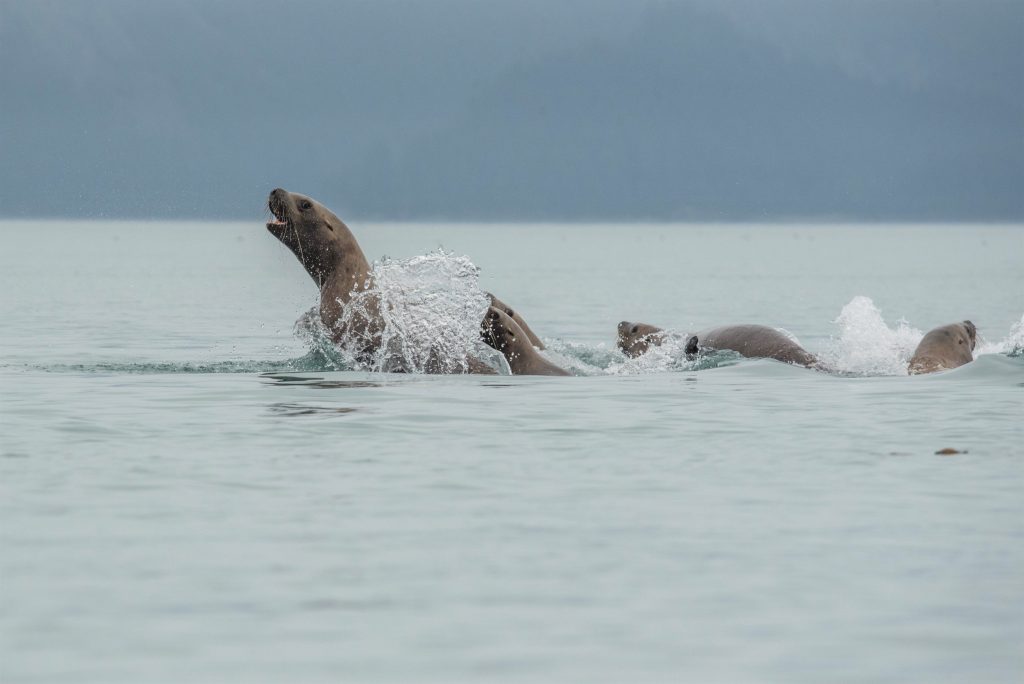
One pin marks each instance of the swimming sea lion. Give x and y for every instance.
(498, 304)
(500, 331)
(946, 347)
(636, 338)
(751, 341)
(328, 251)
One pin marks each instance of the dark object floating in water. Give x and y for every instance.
(949, 451)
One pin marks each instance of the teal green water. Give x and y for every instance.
(189, 491)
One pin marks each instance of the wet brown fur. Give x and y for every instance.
(501, 332)
(945, 347)
(752, 341)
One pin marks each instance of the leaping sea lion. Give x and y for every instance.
(945, 347)
(329, 252)
(500, 331)
(751, 341)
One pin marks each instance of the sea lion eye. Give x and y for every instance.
(634, 330)
(305, 205)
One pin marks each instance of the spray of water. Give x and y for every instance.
(429, 310)
(1011, 345)
(426, 314)
(865, 345)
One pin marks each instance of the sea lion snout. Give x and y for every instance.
(277, 202)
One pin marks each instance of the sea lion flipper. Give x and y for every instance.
(692, 348)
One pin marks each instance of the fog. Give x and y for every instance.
(575, 110)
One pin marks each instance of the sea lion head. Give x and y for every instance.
(972, 333)
(502, 333)
(945, 347)
(309, 229)
(635, 338)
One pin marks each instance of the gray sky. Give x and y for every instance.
(578, 109)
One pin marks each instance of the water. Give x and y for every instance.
(189, 490)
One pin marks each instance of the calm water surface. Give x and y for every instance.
(188, 492)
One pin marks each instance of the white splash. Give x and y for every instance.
(1012, 344)
(430, 308)
(668, 357)
(865, 345)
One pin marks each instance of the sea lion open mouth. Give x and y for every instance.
(277, 207)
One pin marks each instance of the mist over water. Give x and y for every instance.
(195, 483)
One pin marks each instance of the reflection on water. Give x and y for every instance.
(286, 409)
(319, 382)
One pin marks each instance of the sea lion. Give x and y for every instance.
(751, 341)
(945, 347)
(498, 304)
(328, 251)
(636, 338)
(325, 247)
(501, 332)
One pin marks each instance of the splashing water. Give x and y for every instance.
(431, 307)
(669, 357)
(311, 330)
(428, 309)
(866, 345)
(1012, 345)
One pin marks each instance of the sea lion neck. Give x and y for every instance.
(347, 274)
(340, 264)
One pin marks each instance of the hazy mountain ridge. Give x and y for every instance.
(583, 111)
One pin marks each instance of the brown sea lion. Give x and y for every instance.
(948, 346)
(501, 332)
(498, 304)
(636, 338)
(328, 251)
(751, 341)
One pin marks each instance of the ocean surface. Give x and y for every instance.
(196, 486)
